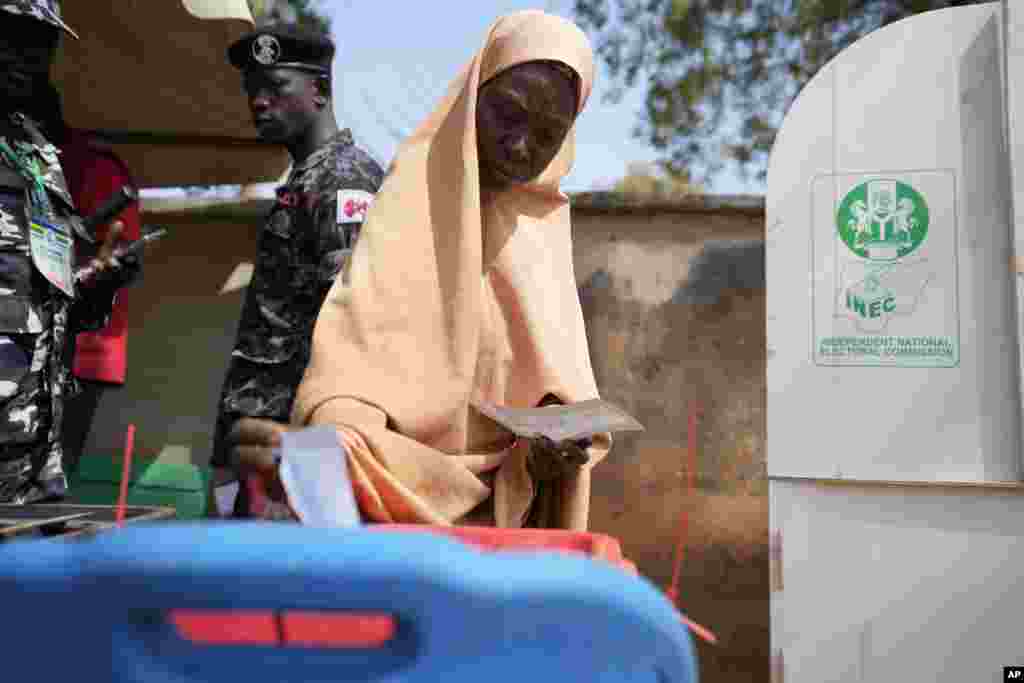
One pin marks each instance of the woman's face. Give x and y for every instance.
(522, 117)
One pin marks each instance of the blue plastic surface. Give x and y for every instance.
(95, 610)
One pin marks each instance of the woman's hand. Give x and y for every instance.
(555, 460)
(254, 445)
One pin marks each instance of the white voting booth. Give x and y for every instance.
(895, 228)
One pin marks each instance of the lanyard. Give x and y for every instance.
(21, 156)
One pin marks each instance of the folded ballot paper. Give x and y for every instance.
(314, 473)
(569, 422)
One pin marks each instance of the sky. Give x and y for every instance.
(393, 63)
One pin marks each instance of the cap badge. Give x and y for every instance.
(266, 50)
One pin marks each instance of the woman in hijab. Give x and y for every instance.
(460, 292)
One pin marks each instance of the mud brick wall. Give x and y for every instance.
(674, 301)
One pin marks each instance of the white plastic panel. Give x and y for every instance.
(891, 315)
(897, 583)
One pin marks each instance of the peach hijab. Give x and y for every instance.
(453, 298)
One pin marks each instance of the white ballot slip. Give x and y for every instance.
(562, 422)
(314, 473)
(225, 495)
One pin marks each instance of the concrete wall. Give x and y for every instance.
(674, 301)
(673, 295)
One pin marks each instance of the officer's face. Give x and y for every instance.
(522, 117)
(27, 47)
(281, 102)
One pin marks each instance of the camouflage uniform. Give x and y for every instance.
(304, 244)
(35, 318)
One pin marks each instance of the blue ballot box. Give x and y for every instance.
(103, 610)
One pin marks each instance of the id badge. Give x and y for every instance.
(52, 253)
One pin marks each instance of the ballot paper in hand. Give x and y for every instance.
(314, 473)
(562, 422)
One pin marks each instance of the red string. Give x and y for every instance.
(704, 634)
(672, 589)
(126, 471)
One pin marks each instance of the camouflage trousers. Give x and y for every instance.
(21, 475)
(33, 387)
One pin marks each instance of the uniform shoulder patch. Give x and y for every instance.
(353, 205)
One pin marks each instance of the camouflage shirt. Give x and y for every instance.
(305, 243)
(36, 317)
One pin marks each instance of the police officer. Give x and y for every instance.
(307, 238)
(41, 304)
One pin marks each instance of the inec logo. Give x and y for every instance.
(882, 220)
